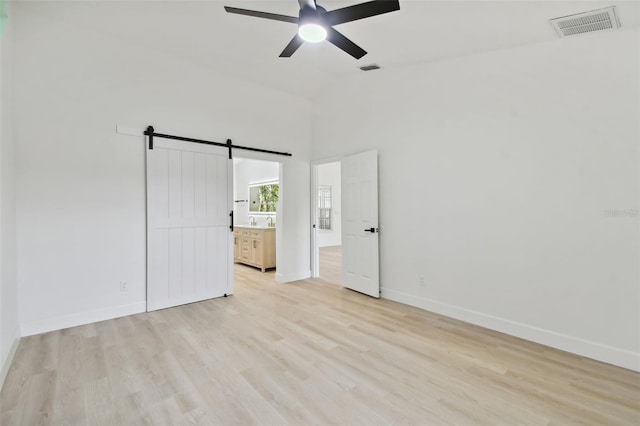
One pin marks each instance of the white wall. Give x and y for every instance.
(246, 172)
(500, 175)
(9, 325)
(329, 174)
(81, 186)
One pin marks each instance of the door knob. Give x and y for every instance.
(372, 230)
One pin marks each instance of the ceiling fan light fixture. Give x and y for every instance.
(312, 32)
(315, 23)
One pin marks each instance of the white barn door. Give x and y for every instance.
(360, 271)
(189, 199)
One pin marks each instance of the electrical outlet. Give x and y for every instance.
(421, 281)
(123, 286)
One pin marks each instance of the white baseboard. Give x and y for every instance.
(598, 351)
(82, 318)
(295, 276)
(7, 362)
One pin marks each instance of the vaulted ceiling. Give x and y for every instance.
(422, 31)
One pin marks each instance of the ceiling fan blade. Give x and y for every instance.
(361, 11)
(291, 48)
(345, 44)
(265, 15)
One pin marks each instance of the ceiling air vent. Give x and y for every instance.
(370, 67)
(587, 22)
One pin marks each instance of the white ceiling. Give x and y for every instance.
(422, 31)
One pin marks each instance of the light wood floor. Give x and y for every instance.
(331, 264)
(305, 353)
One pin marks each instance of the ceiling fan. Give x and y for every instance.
(315, 23)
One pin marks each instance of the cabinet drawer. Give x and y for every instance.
(256, 234)
(245, 256)
(245, 232)
(246, 241)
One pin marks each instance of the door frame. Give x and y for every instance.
(315, 249)
(280, 217)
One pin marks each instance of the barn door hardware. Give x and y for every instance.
(151, 133)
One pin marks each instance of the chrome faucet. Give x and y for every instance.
(270, 221)
(252, 221)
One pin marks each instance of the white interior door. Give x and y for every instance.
(189, 241)
(360, 270)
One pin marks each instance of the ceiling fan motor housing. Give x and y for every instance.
(309, 15)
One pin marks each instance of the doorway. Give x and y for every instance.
(328, 222)
(256, 201)
(356, 176)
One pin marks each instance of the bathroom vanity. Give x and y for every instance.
(255, 246)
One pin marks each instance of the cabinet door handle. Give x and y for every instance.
(254, 243)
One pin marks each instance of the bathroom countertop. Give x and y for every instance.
(254, 227)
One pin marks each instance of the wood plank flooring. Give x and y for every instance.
(304, 353)
(331, 264)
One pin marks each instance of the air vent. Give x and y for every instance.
(587, 22)
(370, 67)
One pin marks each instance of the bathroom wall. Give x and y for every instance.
(247, 171)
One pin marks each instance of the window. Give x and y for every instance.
(324, 207)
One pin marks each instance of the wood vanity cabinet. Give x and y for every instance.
(255, 247)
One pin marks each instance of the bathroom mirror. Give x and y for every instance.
(263, 197)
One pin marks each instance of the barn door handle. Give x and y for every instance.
(231, 216)
(372, 230)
